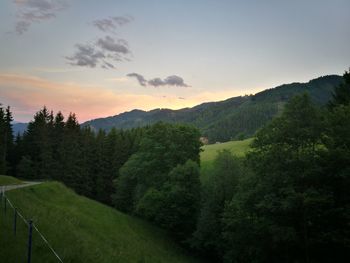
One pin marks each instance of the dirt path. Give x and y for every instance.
(16, 186)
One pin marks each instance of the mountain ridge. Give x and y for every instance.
(233, 118)
(245, 114)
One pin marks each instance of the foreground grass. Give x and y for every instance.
(81, 230)
(8, 180)
(238, 148)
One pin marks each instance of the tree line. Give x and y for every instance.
(151, 172)
(58, 149)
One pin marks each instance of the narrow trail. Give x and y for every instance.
(16, 186)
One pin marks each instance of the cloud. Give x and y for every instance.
(86, 55)
(175, 81)
(104, 52)
(122, 20)
(172, 80)
(110, 24)
(142, 81)
(116, 46)
(156, 82)
(107, 65)
(36, 11)
(22, 27)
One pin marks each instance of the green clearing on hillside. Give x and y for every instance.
(8, 180)
(238, 148)
(81, 230)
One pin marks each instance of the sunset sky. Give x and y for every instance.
(101, 58)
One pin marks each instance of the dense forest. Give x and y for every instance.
(52, 148)
(288, 200)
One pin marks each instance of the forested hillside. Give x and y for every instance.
(238, 117)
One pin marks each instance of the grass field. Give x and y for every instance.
(8, 180)
(238, 148)
(81, 230)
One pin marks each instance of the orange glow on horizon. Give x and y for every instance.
(27, 94)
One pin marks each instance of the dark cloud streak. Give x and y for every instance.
(156, 82)
(175, 81)
(142, 81)
(86, 55)
(36, 11)
(112, 23)
(101, 53)
(104, 51)
(172, 80)
(113, 45)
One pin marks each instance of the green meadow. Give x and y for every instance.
(81, 230)
(238, 148)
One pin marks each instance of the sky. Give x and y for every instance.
(99, 58)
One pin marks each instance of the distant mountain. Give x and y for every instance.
(19, 127)
(237, 117)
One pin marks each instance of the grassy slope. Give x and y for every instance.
(82, 230)
(8, 180)
(238, 148)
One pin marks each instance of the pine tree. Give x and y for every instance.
(6, 141)
(56, 140)
(341, 94)
(70, 154)
(3, 140)
(38, 144)
(9, 142)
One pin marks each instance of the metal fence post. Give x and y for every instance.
(15, 222)
(5, 203)
(30, 241)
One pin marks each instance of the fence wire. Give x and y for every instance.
(4, 200)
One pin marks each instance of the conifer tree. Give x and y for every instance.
(6, 141)
(3, 141)
(341, 94)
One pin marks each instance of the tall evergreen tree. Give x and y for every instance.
(88, 163)
(56, 137)
(9, 141)
(6, 141)
(3, 141)
(37, 143)
(70, 153)
(341, 94)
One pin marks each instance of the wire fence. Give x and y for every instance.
(20, 238)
